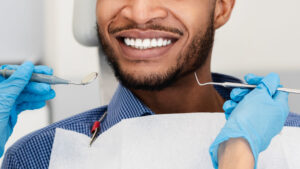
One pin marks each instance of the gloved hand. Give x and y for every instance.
(18, 94)
(237, 94)
(258, 117)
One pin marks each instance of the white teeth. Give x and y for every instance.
(146, 43)
(138, 43)
(169, 42)
(154, 43)
(127, 42)
(165, 42)
(132, 41)
(160, 42)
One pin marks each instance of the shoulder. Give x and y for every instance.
(34, 150)
(293, 120)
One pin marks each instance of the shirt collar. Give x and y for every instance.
(125, 105)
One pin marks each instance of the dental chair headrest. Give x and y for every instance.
(84, 22)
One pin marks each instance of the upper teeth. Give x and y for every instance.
(146, 43)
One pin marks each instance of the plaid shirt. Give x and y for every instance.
(34, 150)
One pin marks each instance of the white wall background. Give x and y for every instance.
(261, 35)
(22, 30)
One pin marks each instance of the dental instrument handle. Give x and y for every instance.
(241, 85)
(297, 91)
(48, 79)
(41, 78)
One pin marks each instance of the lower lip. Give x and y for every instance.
(142, 54)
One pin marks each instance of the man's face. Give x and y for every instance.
(152, 43)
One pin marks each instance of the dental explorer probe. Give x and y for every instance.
(53, 80)
(241, 85)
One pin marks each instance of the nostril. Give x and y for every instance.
(143, 12)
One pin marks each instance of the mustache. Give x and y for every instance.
(149, 26)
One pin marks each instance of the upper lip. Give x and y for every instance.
(146, 34)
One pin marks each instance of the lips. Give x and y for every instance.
(146, 43)
(140, 45)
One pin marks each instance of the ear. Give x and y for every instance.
(223, 9)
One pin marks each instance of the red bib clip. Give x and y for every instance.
(95, 126)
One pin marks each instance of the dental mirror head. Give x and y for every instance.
(89, 78)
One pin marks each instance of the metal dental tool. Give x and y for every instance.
(96, 128)
(53, 80)
(241, 85)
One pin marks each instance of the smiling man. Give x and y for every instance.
(154, 48)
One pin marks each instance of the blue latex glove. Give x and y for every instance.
(237, 94)
(258, 117)
(18, 94)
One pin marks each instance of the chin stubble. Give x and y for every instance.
(200, 48)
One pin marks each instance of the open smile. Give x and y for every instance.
(139, 45)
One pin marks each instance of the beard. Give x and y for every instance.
(195, 57)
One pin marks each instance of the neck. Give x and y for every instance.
(184, 96)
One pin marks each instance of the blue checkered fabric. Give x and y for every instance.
(34, 150)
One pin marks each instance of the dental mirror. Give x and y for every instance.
(89, 78)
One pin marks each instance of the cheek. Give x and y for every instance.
(194, 15)
(107, 10)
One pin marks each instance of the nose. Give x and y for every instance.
(143, 11)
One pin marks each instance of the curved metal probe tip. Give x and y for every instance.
(208, 83)
(241, 85)
(87, 79)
